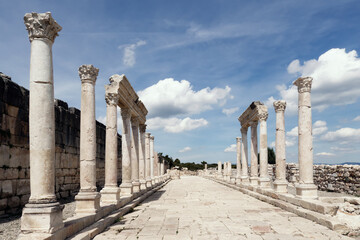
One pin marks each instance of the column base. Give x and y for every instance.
(237, 180)
(87, 202)
(232, 180)
(244, 179)
(280, 186)
(306, 191)
(264, 182)
(152, 181)
(41, 219)
(110, 195)
(126, 189)
(143, 184)
(156, 180)
(148, 183)
(254, 181)
(136, 186)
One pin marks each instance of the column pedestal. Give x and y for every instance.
(280, 186)
(87, 202)
(126, 189)
(110, 195)
(306, 190)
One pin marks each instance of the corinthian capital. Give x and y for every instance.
(125, 113)
(303, 84)
(111, 99)
(88, 73)
(279, 106)
(41, 25)
(263, 116)
(238, 139)
(142, 128)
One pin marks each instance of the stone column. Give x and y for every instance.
(244, 156)
(147, 160)
(135, 154)
(142, 167)
(306, 187)
(225, 171)
(254, 179)
(219, 169)
(156, 168)
(280, 183)
(238, 160)
(162, 170)
(111, 192)
(43, 214)
(152, 160)
(264, 180)
(88, 199)
(126, 185)
(229, 171)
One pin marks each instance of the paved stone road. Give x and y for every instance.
(197, 208)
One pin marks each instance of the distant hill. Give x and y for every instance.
(344, 163)
(350, 163)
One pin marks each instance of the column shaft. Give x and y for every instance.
(238, 160)
(244, 155)
(142, 165)
(152, 160)
(126, 185)
(135, 154)
(254, 155)
(264, 180)
(147, 160)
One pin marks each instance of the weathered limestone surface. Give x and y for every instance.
(14, 148)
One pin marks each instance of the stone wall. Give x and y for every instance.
(14, 148)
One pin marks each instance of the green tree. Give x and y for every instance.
(271, 156)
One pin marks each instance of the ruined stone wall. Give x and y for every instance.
(14, 148)
(332, 178)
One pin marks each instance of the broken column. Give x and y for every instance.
(264, 180)
(306, 187)
(280, 183)
(254, 179)
(142, 165)
(238, 160)
(126, 183)
(244, 156)
(111, 192)
(147, 160)
(42, 216)
(135, 154)
(88, 199)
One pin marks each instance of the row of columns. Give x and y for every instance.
(306, 187)
(43, 213)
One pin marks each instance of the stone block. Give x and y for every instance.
(23, 187)
(24, 199)
(6, 188)
(14, 202)
(11, 173)
(4, 156)
(64, 194)
(3, 203)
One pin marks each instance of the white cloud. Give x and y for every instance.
(336, 75)
(169, 98)
(185, 149)
(293, 132)
(102, 119)
(272, 144)
(129, 58)
(357, 118)
(230, 111)
(175, 125)
(343, 135)
(290, 142)
(231, 148)
(325, 154)
(319, 127)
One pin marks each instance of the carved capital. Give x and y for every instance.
(41, 25)
(279, 106)
(238, 139)
(253, 124)
(135, 121)
(244, 130)
(88, 73)
(303, 84)
(111, 99)
(147, 135)
(152, 138)
(263, 116)
(142, 128)
(125, 113)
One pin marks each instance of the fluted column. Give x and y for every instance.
(142, 166)
(306, 187)
(254, 178)
(264, 180)
(42, 30)
(238, 160)
(126, 183)
(152, 160)
(135, 154)
(147, 160)
(280, 183)
(111, 192)
(88, 199)
(244, 156)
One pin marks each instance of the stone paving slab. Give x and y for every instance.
(198, 208)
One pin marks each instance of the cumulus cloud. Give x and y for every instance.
(230, 111)
(129, 58)
(327, 154)
(231, 148)
(185, 149)
(319, 127)
(343, 135)
(293, 132)
(175, 125)
(336, 75)
(357, 118)
(169, 98)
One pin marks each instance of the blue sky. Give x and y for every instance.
(197, 65)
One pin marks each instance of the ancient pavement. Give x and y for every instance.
(197, 208)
